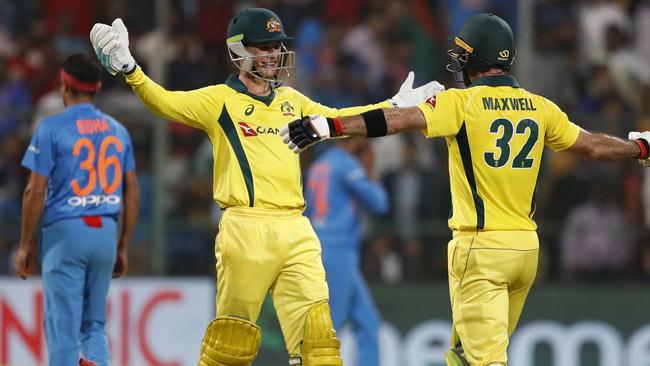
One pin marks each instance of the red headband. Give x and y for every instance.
(77, 84)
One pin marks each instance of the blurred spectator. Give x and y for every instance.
(642, 32)
(66, 41)
(555, 41)
(413, 193)
(15, 98)
(629, 72)
(597, 240)
(594, 17)
(363, 42)
(78, 15)
(382, 262)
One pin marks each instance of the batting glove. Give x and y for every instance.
(643, 140)
(304, 132)
(111, 45)
(409, 97)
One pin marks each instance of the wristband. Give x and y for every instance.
(645, 149)
(336, 129)
(375, 122)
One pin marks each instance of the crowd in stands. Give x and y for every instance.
(591, 57)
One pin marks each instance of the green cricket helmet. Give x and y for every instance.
(256, 26)
(485, 41)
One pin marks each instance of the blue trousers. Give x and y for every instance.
(350, 301)
(77, 263)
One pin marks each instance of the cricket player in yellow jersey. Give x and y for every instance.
(264, 242)
(495, 132)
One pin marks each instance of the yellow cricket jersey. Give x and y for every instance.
(252, 166)
(495, 132)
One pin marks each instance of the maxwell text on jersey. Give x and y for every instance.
(508, 104)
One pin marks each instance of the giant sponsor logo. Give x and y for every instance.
(249, 131)
(150, 321)
(426, 343)
(94, 200)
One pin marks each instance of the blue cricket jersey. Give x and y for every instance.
(84, 153)
(336, 184)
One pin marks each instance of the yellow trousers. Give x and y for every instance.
(490, 274)
(260, 250)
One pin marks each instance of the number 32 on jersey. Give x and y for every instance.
(505, 129)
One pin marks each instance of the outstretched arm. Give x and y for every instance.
(599, 146)
(309, 130)
(111, 45)
(396, 120)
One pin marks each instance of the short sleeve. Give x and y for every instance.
(443, 114)
(561, 133)
(39, 156)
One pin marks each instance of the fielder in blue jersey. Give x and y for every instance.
(338, 182)
(83, 185)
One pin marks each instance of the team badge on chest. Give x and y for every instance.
(287, 109)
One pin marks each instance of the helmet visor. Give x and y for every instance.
(457, 59)
(279, 62)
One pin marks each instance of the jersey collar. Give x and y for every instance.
(497, 80)
(80, 106)
(236, 84)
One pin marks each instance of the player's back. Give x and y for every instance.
(496, 134)
(336, 184)
(84, 153)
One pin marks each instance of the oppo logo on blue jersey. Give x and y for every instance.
(94, 200)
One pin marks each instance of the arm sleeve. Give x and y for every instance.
(195, 108)
(443, 114)
(310, 107)
(372, 194)
(561, 133)
(40, 153)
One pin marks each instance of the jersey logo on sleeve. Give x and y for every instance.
(246, 129)
(34, 149)
(432, 101)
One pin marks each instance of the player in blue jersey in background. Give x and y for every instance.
(84, 186)
(338, 183)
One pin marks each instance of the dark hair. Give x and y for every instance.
(83, 67)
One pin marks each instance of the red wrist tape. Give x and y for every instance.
(645, 149)
(336, 126)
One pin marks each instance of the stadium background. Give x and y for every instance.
(591, 299)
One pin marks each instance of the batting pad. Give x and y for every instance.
(320, 346)
(230, 341)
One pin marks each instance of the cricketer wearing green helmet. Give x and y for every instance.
(485, 42)
(265, 244)
(496, 134)
(256, 44)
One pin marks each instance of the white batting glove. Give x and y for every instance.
(643, 138)
(111, 45)
(409, 97)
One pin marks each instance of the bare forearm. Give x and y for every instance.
(397, 119)
(129, 213)
(599, 146)
(614, 148)
(33, 202)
